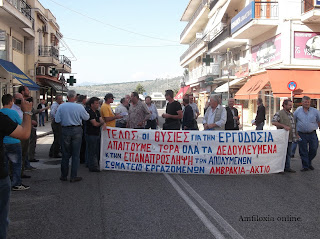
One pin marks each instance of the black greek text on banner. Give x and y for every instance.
(194, 152)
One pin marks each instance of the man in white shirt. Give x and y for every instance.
(195, 109)
(122, 110)
(153, 121)
(216, 116)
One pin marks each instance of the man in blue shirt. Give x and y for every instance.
(70, 116)
(8, 127)
(308, 121)
(56, 129)
(12, 146)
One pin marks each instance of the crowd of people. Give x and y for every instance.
(76, 126)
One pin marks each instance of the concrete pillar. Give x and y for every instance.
(251, 110)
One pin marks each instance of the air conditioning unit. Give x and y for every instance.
(41, 70)
(45, 28)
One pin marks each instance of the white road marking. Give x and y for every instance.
(223, 223)
(215, 232)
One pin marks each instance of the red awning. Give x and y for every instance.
(308, 84)
(181, 93)
(251, 88)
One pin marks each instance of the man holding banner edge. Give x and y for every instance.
(284, 120)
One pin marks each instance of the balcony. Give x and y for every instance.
(202, 72)
(310, 11)
(48, 55)
(212, 4)
(255, 19)
(222, 35)
(64, 65)
(17, 15)
(198, 21)
(222, 40)
(194, 48)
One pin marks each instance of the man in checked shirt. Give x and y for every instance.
(284, 120)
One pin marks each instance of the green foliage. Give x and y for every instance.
(140, 89)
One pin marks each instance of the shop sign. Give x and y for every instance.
(242, 71)
(242, 18)
(307, 45)
(266, 52)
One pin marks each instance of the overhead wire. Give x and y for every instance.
(119, 45)
(110, 25)
(73, 58)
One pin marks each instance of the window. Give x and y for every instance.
(17, 45)
(3, 45)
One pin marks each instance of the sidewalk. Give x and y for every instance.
(44, 130)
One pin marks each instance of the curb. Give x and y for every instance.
(44, 134)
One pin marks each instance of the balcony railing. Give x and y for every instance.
(194, 16)
(22, 7)
(65, 60)
(224, 34)
(195, 74)
(191, 48)
(266, 10)
(307, 5)
(50, 51)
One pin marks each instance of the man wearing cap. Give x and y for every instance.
(70, 115)
(106, 111)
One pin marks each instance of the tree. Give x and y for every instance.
(140, 89)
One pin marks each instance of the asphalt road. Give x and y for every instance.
(140, 205)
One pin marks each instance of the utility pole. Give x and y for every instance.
(228, 59)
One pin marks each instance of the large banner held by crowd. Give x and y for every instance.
(194, 152)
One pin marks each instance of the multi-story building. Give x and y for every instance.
(16, 35)
(46, 52)
(29, 41)
(259, 46)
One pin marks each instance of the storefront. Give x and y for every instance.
(272, 87)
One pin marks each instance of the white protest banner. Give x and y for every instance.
(194, 152)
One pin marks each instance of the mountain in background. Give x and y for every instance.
(119, 90)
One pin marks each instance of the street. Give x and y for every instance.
(113, 204)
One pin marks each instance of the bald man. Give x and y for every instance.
(232, 116)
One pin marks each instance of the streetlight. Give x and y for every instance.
(229, 66)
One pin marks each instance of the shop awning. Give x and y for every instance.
(308, 83)
(224, 87)
(59, 88)
(52, 82)
(19, 75)
(181, 93)
(251, 88)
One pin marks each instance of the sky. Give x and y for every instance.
(84, 23)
